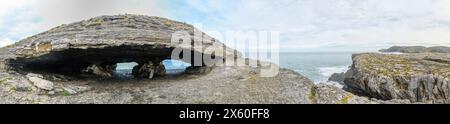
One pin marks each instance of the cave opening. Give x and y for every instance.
(172, 67)
(138, 62)
(125, 69)
(175, 67)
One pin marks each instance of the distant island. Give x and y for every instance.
(417, 49)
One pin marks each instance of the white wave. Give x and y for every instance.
(328, 71)
(126, 66)
(332, 83)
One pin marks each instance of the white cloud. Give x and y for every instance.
(323, 24)
(22, 18)
(5, 42)
(7, 5)
(55, 12)
(306, 24)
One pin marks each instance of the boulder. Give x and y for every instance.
(160, 69)
(39, 82)
(69, 91)
(102, 71)
(20, 84)
(337, 77)
(146, 70)
(149, 70)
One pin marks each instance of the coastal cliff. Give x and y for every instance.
(417, 77)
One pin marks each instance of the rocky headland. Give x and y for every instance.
(418, 75)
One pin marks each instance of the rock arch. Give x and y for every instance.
(96, 45)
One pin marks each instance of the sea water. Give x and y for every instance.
(317, 66)
(173, 67)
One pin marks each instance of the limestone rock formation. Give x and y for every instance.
(160, 69)
(149, 70)
(337, 77)
(107, 40)
(418, 77)
(103, 71)
(39, 82)
(327, 94)
(96, 45)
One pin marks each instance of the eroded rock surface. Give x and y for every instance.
(327, 94)
(102, 71)
(39, 82)
(149, 70)
(337, 77)
(420, 77)
(107, 40)
(222, 85)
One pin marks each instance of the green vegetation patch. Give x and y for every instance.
(65, 93)
(168, 23)
(5, 79)
(313, 94)
(346, 99)
(96, 22)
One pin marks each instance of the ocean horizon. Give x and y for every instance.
(317, 66)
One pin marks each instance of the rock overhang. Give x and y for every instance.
(107, 40)
(79, 58)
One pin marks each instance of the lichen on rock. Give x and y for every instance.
(418, 77)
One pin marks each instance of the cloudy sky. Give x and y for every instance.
(305, 25)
